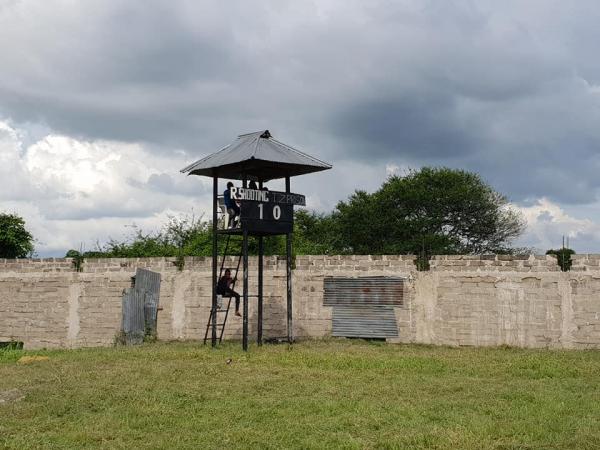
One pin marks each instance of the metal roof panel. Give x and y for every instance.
(258, 156)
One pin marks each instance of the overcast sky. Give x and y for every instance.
(102, 102)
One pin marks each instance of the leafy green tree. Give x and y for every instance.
(15, 240)
(429, 211)
(315, 234)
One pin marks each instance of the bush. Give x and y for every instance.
(563, 255)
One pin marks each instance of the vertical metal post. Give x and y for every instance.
(213, 309)
(288, 251)
(259, 337)
(245, 318)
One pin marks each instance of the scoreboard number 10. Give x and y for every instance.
(276, 211)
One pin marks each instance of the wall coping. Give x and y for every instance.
(529, 262)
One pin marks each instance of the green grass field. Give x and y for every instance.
(321, 394)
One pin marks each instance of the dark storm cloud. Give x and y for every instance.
(508, 90)
(426, 127)
(538, 141)
(150, 71)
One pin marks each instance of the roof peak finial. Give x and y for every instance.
(266, 135)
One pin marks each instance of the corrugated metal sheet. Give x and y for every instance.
(133, 316)
(140, 307)
(257, 155)
(148, 283)
(364, 306)
(363, 291)
(150, 313)
(364, 322)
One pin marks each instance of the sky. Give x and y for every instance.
(102, 102)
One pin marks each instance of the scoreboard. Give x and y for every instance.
(268, 212)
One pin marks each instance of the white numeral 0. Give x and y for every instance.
(276, 212)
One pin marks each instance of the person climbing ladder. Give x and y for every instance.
(224, 288)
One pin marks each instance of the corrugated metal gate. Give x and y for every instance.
(140, 307)
(364, 306)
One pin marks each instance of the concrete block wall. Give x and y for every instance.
(46, 303)
(496, 300)
(308, 287)
(523, 301)
(498, 263)
(54, 309)
(462, 300)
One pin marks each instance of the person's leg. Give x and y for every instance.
(237, 211)
(232, 216)
(237, 303)
(232, 293)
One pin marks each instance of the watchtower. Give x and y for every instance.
(259, 158)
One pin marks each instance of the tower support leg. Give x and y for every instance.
(245, 313)
(259, 337)
(288, 251)
(213, 309)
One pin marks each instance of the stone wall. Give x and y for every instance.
(462, 300)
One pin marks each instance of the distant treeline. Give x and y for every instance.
(424, 212)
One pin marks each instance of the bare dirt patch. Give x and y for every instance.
(12, 395)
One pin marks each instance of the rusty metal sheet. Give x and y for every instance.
(363, 291)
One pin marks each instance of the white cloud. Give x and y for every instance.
(392, 169)
(72, 192)
(548, 222)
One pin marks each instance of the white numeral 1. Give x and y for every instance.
(260, 207)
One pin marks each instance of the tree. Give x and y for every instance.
(563, 255)
(15, 240)
(315, 234)
(429, 211)
(180, 236)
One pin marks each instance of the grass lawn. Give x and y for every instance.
(321, 394)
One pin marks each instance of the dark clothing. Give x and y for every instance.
(231, 293)
(224, 290)
(230, 203)
(223, 285)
